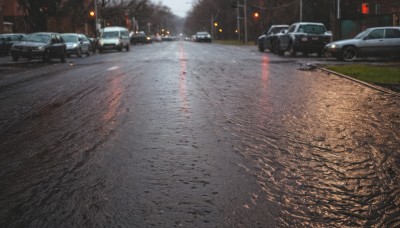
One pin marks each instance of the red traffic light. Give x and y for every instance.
(365, 8)
(256, 15)
(91, 13)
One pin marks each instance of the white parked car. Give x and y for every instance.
(378, 41)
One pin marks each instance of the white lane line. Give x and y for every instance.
(113, 68)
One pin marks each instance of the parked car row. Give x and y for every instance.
(305, 37)
(48, 45)
(308, 37)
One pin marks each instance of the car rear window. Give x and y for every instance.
(277, 29)
(69, 38)
(312, 29)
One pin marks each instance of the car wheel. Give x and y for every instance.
(349, 53)
(305, 54)
(62, 56)
(127, 47)
(15, 58)
(120, 48)
(292, 50)
(46, 55)
(88, 52)
(261, 46)
(79, 52)
(274, 47)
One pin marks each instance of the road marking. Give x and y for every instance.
(112, 68)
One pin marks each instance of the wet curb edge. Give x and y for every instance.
(375, 87)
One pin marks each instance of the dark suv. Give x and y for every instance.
(44, 45)
(266, 40)
(305, 37)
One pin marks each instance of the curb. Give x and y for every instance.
(371, 86)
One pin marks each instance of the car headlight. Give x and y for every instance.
(101, 43)
(40, 48)
(75, 45)
(118, 42)
(333, 46)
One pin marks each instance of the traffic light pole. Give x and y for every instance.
(95, 18)
(245, 19)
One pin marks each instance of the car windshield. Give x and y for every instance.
(278, 29)
(313, 29)
(69, 38)
(361, 35)
(110, 34)
(42, 38)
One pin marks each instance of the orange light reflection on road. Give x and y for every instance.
(265, 72)
(113, 100)
(182, 82)
(264, 99)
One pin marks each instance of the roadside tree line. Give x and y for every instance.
(42, 15)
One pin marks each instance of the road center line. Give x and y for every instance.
(112, 68)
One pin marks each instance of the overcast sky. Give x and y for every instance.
(178, 7)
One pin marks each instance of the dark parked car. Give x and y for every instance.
(140, 37)
(305, 37)
(77, 44)
(203, 37)
(266, 40)
(44, 45)
(378, 41)
(7, 40)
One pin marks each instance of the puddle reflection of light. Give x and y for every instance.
(114, 93)
(265, 71)
(264, 100)
(182, 82)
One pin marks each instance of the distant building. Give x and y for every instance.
(13, 13)
(357, 15)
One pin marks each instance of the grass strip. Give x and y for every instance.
(370, 73)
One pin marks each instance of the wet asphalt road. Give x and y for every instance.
(182, 134)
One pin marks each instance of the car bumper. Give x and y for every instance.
(109, 46)
(203, 40)
(72, 50)
(309, 47)
(332, 51)
(28, 53)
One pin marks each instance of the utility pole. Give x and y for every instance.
(245, 21)
(238, 19)
(244, 6)
(301, 10)
(95, 18)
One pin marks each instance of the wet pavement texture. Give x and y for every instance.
(195, 135)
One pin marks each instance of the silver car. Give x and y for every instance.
(77, 44)
(378, 41)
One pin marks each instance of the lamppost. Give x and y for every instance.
(95, 18)
(244, 6)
